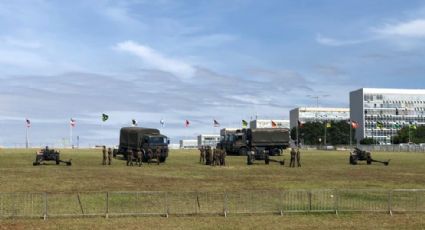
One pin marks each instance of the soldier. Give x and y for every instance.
(158, 154)
(215, 157)
(208, 155)
(223, 157)
(129, 157)
(104, 155)
(251, 156)
(293, 155)
(201, 154)
(140, 154)
(109, 156)
(298, 157)
(149, 155)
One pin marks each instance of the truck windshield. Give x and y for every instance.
(158, 140)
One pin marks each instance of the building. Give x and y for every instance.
(380, 113)
(255, 124)
(188, 144)
(208, 139)
(311, 114)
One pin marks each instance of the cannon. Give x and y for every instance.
(261, 154)
(47, 154)
(361, 155)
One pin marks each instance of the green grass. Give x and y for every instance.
(183, 173)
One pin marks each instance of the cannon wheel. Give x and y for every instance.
(352, 160)
(266, 159)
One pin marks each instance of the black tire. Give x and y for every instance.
(353, 160)
(275, 152)
(162, 159)
(243, 151)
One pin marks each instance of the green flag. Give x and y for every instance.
(328, 125)
(244, 124)
(413, 126)
(396, 126)
(379, 125)
(104, 117)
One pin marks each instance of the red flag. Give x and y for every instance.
(354, 124)
(186, 123)
(28, 122)
(274, 125)
(72, 122)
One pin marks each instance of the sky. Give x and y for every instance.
(223, 60)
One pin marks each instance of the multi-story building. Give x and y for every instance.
(256, 124)
(380, 113)
(311, 114)
(208, 139)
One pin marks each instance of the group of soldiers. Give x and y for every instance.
(213, 157)
(295, 158)
(107, 155)
(139, 154)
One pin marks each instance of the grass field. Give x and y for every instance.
(182, 172)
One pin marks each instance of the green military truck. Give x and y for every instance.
(142, 138)
(240, 141)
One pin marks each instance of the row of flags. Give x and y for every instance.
(72, 122)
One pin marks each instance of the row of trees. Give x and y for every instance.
(338, 133)
(314, 133)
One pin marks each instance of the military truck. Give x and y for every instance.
(272, 140)
(142, 138)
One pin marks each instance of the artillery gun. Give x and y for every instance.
(261, 154)
(361, 155)
(47, 154)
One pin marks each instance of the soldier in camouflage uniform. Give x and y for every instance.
(149, 155)
(140, 157)
(104, 155)
(293, 155)
(208, 155)
(109, 156)
(158, 154)
(216, 158)
(129, 157)
(298, 157)
(223, 157)
(201, 154)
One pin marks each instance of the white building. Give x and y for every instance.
(311, 114)
(382, 112)
(208, 139)
(188, 144)
(255, 124)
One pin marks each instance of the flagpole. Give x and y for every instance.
(326, 124)
(70, 136)
(298, 140)
(351, 135)
(26, 137)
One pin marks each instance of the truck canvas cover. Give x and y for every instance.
(269, 135)
(131, 137)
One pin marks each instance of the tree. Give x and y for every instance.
(337, 134)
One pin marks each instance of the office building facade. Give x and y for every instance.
(320, 114)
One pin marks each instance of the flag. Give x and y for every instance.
(300, 124)
(412, 125)
(134, 122)
(244, 124)
(28, 122)
(354, 124)
(328, 125)
(379, 125)
(216, 124)
(104, 117)
(396, 126)
(162, 122)
(186, 123)
(72, 122)
(274, 125)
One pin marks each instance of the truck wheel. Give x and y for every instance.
(351, 160)
(266, 159)
(162, 159)
(276, 152)
(242, 151)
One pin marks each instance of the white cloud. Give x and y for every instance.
(20, 43)
(412, 29)
(336, 42)
(156, 60)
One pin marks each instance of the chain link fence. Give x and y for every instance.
(44, 205)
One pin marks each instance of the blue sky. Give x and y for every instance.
(196, 60)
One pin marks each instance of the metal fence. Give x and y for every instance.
(44, 205)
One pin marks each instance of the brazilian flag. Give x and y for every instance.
(379, 125)
(104, 117)
(244, 124)
(328, 125)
